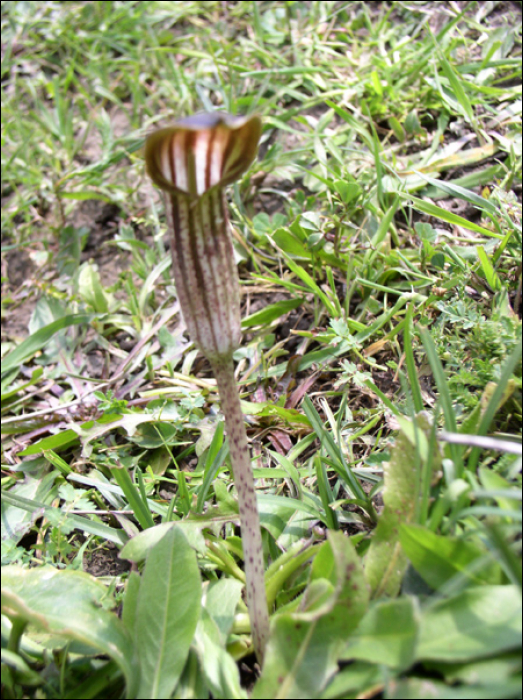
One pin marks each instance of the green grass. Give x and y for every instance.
(378, 238)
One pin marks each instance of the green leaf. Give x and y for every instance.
(16, 521)
(91, 290)
(496, 399)
(71, 604)
(444, 215)
(388, 634)
(130, 601)
(485, 176)
(457, 89)
(289, 244)
(270, 313)
(332, 448)
(133, 496)
(419, 689)
(219, 668)
(488, 269)
(77, 522)
(167, 613)
(304, 646)
(455, 191)
(410, 361)
(478, 622)
(437, 559)
(69, 250)
(492, 481)
(348, 191)
(139, 546)
(353, 681)
(304, 276)
(265, 409)
(221, 599)
(36, 341)
(444, 397)
(192, 681)
(147, 286)
(37, 373)
(58, 441)
(215, 457)
(386, 561)
(481, 672)
(24, 673)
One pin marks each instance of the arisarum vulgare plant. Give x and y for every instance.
(192, 162)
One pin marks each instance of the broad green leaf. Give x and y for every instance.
(304, 646)
(47, 310)
(287, 519)
(71, 604)
(481, 672)
(67, 437)
(284, 566)
(353, 681)
(419, 689)
(192, 681)
(221, 600)
(437, 559)
(281, 508)
(289, 244)
(386, 562)
(54, 442)
(387, 634)
(348, 191)
(299, 662)
(167, 612)
(219, 668)
(478, 622)
(37, 340)
(137, 548)
(130, 601)
(93, 430)
(477, 178)
(397, 128)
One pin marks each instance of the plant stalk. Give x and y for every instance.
(223, 370)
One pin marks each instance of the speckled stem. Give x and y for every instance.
(250, 522)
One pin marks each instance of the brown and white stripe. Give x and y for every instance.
(192, 161)
(202, 152)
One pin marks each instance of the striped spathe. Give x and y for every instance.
(192, 161)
